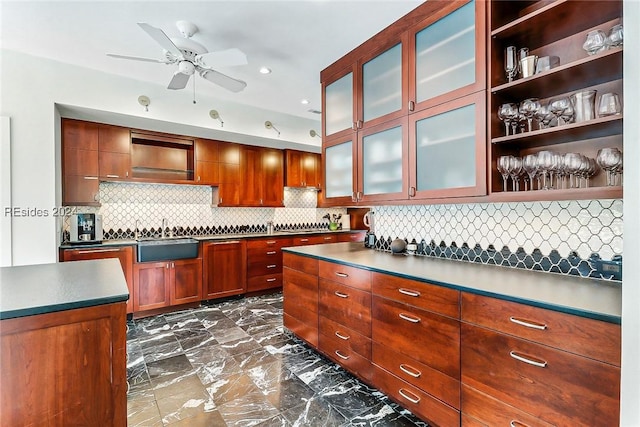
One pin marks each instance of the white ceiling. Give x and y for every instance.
(295, 38)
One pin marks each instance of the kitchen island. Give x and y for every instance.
(461, 343)
(63, 344)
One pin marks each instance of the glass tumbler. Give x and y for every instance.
(596, 42)
(616, 34)
(609, 105)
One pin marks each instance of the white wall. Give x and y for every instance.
(630, 405)
(32, 88)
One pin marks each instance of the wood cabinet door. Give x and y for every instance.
(206, 150)
(229, 188)
(79, 135)
(80, 190)
(293, 168)
(272, 178)
(250, 176)
(123, 253)
(114, 139)
(312, 170)
(114, 165)
(207, 173)
(80, 162)
(224, 269)
(186, 281)
(151, 282)
(340, 171)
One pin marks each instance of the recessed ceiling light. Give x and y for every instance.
(265, 70)
(305, 101)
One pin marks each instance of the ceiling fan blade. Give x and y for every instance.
(137, 58)
(161, 38)
(222, 58)
(226, 82)
(179, 81)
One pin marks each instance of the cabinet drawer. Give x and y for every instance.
(303, 330)
(352, 339)
(268, 281)
(418, 374)
(301, 263)
(416, 400)
(263, 255)
(300, 294)
(588, 337)
(484, 410)
(268, 243)
(422, 295)
(261, 268)
(427, 337)
(559, 387)
(348, 306)
(314, 240)
(350, 276)
(352, 237)
(340, 352)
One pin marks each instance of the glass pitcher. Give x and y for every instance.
(584, 105)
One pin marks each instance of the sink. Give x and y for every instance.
(167, 248)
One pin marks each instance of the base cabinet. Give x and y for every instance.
(165, 283)
(224, 269)
(300, 291)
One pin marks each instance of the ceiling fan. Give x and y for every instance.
(191, 56)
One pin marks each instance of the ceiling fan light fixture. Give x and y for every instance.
(265, 70)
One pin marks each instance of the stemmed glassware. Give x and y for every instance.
(529, 108)
(544, 116)
(572, 162)
(503, 168)
(507, 112)
(560, 107)
(511, 62)
(610, 159)
(515, 169)
(530, 166)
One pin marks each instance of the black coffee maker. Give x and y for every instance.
(86, 228)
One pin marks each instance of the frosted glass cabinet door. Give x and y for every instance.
(382, 84)
(339, 105)
(338, 170)
(445, 54)
(382, 160)
(446, 150)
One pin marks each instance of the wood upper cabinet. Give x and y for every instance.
(261, 177)
(302, 169)
(124, 253)
(224, 269)
(114, 152)
(557, 29)
(206, 159)
(228, 193)
(80, 182)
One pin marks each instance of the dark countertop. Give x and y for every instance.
(592, 298)
(46, 288)
(129, 242)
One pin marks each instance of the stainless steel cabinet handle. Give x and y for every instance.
(126, 174)
(230, 242)
(167, 266)
(271, 253)
(271, 242)
(272, 266)
(360, 122)
(409, 292)
(271, 279)
(410, 370)
(341, 274)
(409, 318)
(342, 337)
(90, 177)
(412, 191)
(515, 423)
(95, 251)
(304, 240)
(328, 238)
(412, 105)
(528, 324)
(341, 295)
(113, 176)
(521, 358)
(341, 356)
(173, 265)
(413, 398)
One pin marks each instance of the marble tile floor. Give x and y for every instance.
(233, 364)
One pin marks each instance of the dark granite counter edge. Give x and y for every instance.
(554, 307)
(45, 309)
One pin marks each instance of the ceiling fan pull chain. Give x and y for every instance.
(194, 90)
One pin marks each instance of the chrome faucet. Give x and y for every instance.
(164, 225)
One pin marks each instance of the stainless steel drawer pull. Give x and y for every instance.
(539, 364)
(95, 251)
(271, 279)
(271, 242)
(113, 176)
(341, 295)
(271, 253)
(528, 324)
(304, 240)
(271, 266)
(230, 242)
(409, 292)
(328, 238)
(341, 356)
(413, 398)
(342, 337)
(409, 318)
(515, 423)
(90, 177)
(410, 370)
(341, 274)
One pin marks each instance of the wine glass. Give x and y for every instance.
(510, 62)
(545, 163)
(529, 107)
(610, 159)
(559, 106)
(503, 165)
(530, 166)
(515, 169)
(571, 162)
(506, 113)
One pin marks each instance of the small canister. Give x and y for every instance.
(269, 227)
